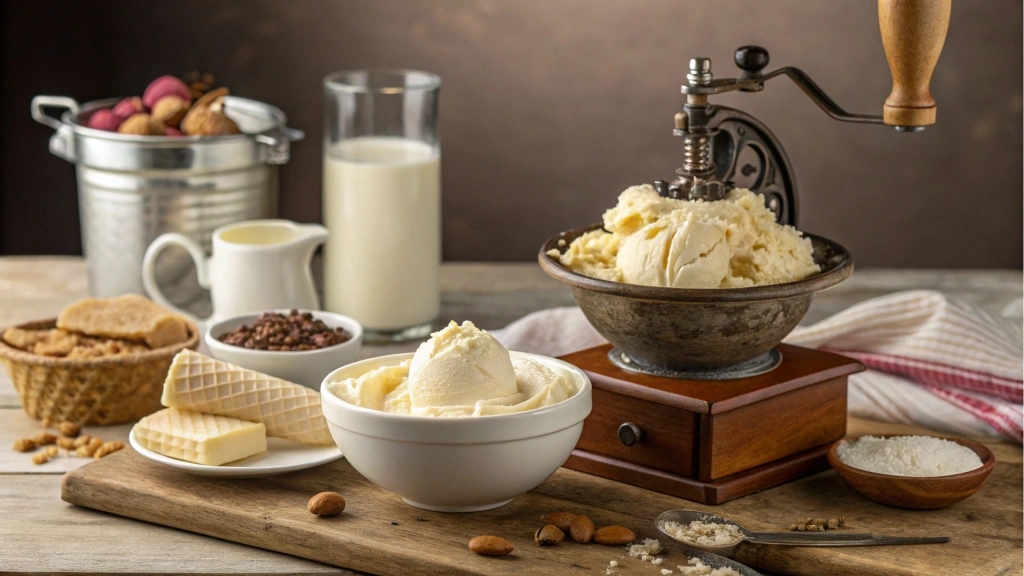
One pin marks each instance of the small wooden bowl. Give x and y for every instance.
(918, 493)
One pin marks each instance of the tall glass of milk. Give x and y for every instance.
(382, 200)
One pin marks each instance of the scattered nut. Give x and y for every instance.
(46, 422)
(549, 535)
(89, 449)
(561, 519)
(614, 535)
(66, 443)
(24, 445)
(52, 451)
(207, 118)
(326, 504)
(44, 439)
(108, 448)
(582, 529)
(142, 124)
(69, 429)
(82, 440)
(491, 546)
(169, 110)
(41, 458)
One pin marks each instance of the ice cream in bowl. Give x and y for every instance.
(462, 424)
(692, 288)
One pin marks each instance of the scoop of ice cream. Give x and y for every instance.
(460, 365)
(656, 241)
(678, 250)
(448, 383)
(637, 207)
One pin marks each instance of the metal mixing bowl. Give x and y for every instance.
(696, 333)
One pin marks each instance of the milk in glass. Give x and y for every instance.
(382, 205)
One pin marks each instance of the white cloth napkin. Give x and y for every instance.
(933, 362)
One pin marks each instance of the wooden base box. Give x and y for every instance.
(713, 441)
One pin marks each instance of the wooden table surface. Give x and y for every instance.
(39, 533)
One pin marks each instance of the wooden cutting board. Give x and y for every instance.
(378, 533)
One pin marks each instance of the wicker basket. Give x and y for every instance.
(110, 390)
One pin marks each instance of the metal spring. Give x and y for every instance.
(696, 153)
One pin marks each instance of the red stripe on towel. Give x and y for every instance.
(941, 376)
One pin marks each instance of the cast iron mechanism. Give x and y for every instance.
(724, 148)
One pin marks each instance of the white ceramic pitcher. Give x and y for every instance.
(256, 265)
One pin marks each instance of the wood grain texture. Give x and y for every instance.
(40, 534)
(774, 428)
(800, 367)
(271, 512)
(704, 491)
(913, 32)
(668, 439)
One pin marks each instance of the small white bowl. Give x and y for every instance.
(460, 464)
(306, 367)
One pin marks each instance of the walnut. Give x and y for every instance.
(207, 118)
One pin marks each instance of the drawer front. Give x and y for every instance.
(773, 428)
(668, 435)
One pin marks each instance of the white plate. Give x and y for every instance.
(282, 456)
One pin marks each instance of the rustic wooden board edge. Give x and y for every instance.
(359, 556)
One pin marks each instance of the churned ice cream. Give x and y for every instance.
(656, 241)
(459, 371)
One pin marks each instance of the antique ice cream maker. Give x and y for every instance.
(695, 395)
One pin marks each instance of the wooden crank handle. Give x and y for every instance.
(913, 32)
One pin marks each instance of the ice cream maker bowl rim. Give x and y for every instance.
(740, 303)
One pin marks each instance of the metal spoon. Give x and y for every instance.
(716, 561)
(783, 538)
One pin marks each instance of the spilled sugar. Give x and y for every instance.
(698, 568)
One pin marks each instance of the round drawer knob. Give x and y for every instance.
(629, 433)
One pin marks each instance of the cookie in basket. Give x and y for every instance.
(103, 361)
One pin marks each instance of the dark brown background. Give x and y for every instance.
(551, 107)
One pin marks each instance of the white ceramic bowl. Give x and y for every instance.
(306, 367)
(462, 464)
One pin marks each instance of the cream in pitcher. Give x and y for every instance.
(256, 265)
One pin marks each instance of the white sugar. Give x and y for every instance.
(908, 456)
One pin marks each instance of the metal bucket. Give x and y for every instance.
(131, 188)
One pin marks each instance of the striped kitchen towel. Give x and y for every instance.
(966, 359)
(933, 362)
